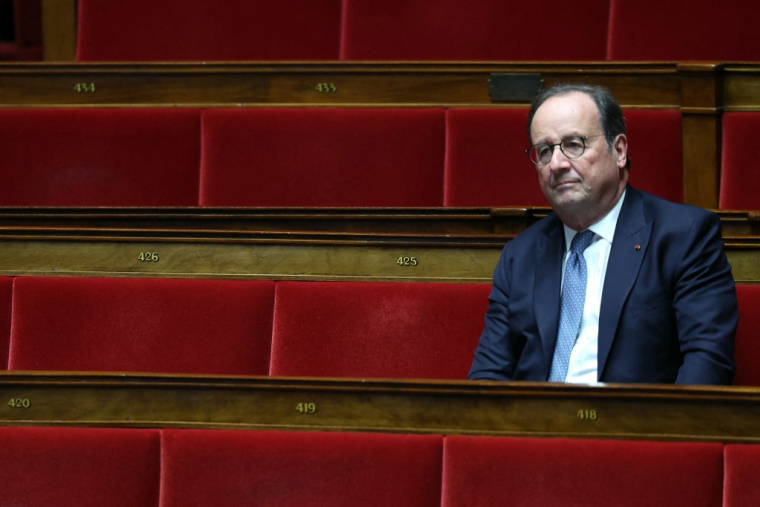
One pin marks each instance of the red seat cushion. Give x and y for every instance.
(464, 30)
(748, 336)
(142, 325)
(703, 30)
(99, 157)
(244, 468)
(323, 157)
(739, 184)
(366, 329)
(79, 467)
(741, 485)
(655, 148)
(168, 30)
(486, 164)
(6, 296)
(485, 471)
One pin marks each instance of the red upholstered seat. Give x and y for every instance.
(79, 467)
(699, 30)
(741, 485)
(99, 157)
(464, 30)
(486, 471)
(366, 329)
(299, 469)
(142, 325)
(171, 30)
(486, 163)
(655, 148)
(323, 157)
(739, 181)
(6, 296)
(748, 336)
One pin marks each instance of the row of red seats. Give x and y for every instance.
(394, 330)
(384, 157)
(461, 30)
(308, 329)
(86, 467)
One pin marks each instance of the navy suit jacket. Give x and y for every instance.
(668, 312)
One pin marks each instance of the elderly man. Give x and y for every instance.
(616, 285)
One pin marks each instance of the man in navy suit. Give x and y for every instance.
(660, 300)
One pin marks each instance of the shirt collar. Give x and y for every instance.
(604, 228)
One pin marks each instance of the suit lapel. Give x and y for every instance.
(548, 280)
(629, 246)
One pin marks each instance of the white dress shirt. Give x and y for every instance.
(583, 359)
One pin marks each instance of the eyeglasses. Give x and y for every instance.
(572, 147)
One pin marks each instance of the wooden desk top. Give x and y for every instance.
(659, 412)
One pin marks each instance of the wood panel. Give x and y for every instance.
(436, 221)
(59, 27)
(656, 412)
(316, 84)
(742, 87)
(281, 256)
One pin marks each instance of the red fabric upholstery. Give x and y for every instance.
(486, 164)
(463, 30)
(144, 325)
(6, 296)
(655, 147)
(741, 485)
(79, 467)
(739, 184)
(170, 30)
(699, 30)
(283, 469)
(366, 329)
(487, 471)
(323, 157)
(748, 336)
(99, 157)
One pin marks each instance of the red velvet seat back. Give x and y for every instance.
(483, 30)
(550, 472)
(200, 30)
(299, 469)
(674, 31)
(142, 325)
(739, 181)
(79, 467)
(741, 486)
(99, 157)
(323, 157)
(6, 296)
(366, 329)
(656, 151)
(748, 336)
(486, 164)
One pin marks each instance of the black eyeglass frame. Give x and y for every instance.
(562, 149)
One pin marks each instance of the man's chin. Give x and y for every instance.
(568, 199)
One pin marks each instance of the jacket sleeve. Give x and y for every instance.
(495, 358)
(705, 306)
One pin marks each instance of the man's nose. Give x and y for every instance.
(559, 160)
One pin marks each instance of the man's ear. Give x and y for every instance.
(620, 148)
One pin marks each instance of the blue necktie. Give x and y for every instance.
(573, 299)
